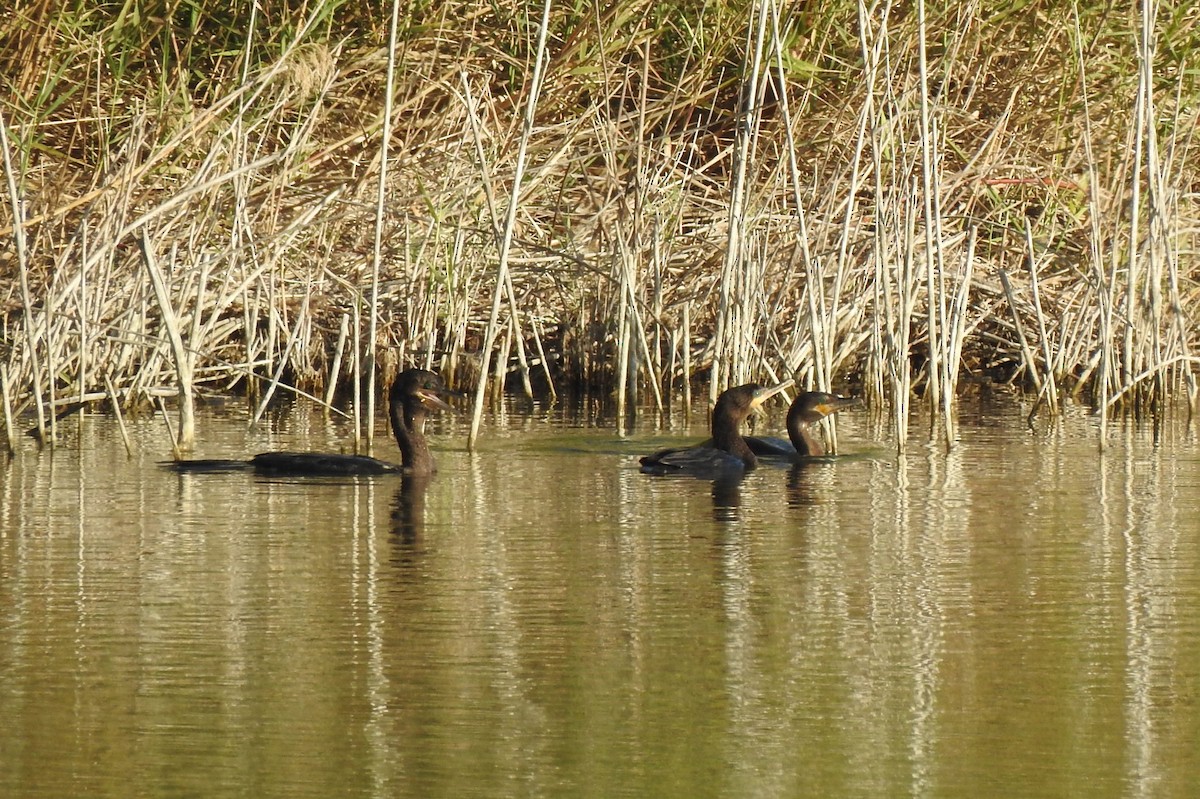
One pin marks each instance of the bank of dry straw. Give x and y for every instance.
(904, 198)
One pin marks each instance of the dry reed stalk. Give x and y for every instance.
(733, 262)
(957, 324)
(501, 363)
(81, 312)
(1051, 389)
(498, 232)
(635, 327)
(510, 222)
(1104, 287)
(929, 190)
(19, 244)
(282, 362)
(380, 204)
(1181, 323)
(356, 372)
(518, 338)
(623, 335)
(687, 358)
(1142, 113)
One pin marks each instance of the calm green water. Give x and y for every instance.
(1020, 617)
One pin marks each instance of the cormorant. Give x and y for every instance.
(807, 409)
(726, 452)
(414, 393)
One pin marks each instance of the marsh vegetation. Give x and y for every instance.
(907, 198)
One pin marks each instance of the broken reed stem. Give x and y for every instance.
(176, 452)
(535, 328)
(510, 224)
(116, 406)
(335, 368)
(183, 360)
(514, 313)
(1026, 354)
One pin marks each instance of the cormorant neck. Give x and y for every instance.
(408, 424)
(727, 438)
(807, 444)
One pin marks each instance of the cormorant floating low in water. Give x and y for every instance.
(807, 409)
(727, 451)
(414, 393)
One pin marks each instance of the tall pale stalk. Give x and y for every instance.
(489, 340)
(1142, 113)
(380, 205)
(929, 189)
(734, 245)
(18, 230)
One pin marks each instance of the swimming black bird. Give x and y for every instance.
(726, 452)
(807, 409)
(415, 392)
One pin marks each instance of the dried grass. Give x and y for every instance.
(914, 204)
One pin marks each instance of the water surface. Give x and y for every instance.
(1018, 617)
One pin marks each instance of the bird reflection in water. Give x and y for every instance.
(727, 498)
(801, 491)
(408, 515)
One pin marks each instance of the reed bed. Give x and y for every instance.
(906, 201)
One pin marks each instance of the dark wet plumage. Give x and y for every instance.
(415, 392)
(807, 410)
(727, 451)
